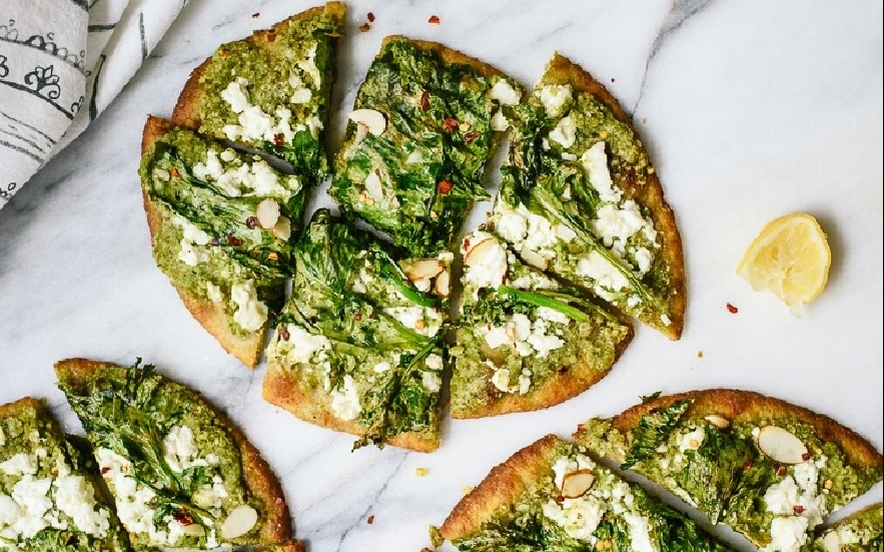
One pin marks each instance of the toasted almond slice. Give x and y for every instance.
(239, 522)
(477, 253)
(282, 229)
(534, 259)
(373, 120)
(421, 269)
(193, 530)
(781, 446)
(576, 483)
(442, 286)
(361, 133)
(373, 186)
(267, 213)
(718, 421)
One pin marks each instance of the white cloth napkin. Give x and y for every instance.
(61, 64)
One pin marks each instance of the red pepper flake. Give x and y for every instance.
(434, 20)
(251, 222)
(579, 427)
(560, 499)
(234, 241)
(805, 456)
(174, 172)
(277, 139)
(444, 186)
(747, 465)
(224, 52)
(364, 28)
(798, 508)
(283, 333)
(256, 15)
(357, 317)
(370, 17)
(732, 309)
(182, 518)
(104, 470)
(425, 100)
(781, 471)
(466, 247)
(470, 136)
(370, 520)
(449, 124)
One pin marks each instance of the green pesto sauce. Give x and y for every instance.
(727, 476)
(269, 70)
(326, 301)
(860, 532)
(130, 411)
(537, 176)
(430, 158)
(31, 431)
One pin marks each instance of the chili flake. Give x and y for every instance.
(732, 309)
(444, 186)
(434, 20)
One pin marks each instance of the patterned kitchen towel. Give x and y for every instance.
(61, 64)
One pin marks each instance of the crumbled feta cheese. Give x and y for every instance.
(192, 242)
(564, 133)
(499, 121)
(302, 96)
(512, 226)
(179, 449)
(541, 234)
(214, 293)
(308, 65)
(250, 313)
(554, 97)
(489, 270)
(504, 93)
(692, 440)
(345, 400)
(237, 95)
(20, 464)
(606, 275)
(75, 497)
(382, 367)
(432, 381)
(618, 224)
(433, 361)
(553, 315)
(788, 534)
(595, 165)
(32, 498)
(302, 347)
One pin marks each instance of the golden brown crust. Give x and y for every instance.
(281, 388)
(186, 112)
(749, 407)
(500, 489)
(17, 407)
(258, 479)
(448, 55)
(579, 377)
(561, 70)
(210, 315)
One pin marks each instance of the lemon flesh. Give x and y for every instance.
(790, 258)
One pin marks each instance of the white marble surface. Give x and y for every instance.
(750, 109)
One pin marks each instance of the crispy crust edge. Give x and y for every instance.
(280, 388)
(500, 488)
(18, 406)
(211, 316)
(449, 56)
(748, 406)
(556, 390)
(561, 70)
(258, 478)
(186, 111)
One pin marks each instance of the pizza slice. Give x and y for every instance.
(579, 198)
(552, 496)
(770, 470)
(49, 501)
(425, 121)
(524, 342)
(271, 90)
(858, 532)
(182, 475)
(358, 347)
(221, 222)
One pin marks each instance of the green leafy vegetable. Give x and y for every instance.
(653, 430)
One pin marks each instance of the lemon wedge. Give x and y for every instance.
(790, 258)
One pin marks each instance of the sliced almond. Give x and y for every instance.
(240, 521)
(373, 186)
(361, 133)
(442, 286)
(267, 213)
(193, 530)
(781, 446)
(421, 269)
(373, 120)
(718, 421)
(576, 483)
(477, 253)
(534, 259)
(282, 229)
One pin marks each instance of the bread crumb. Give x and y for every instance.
(256, 15)
(364, 28)
(420, 472)
(370, 17)
(699, 354)
(466, 490)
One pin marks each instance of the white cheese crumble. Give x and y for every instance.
(564, 133)
(525, 336)
(250, 313)
(554, 97)
(692, 440)
(345, 400)
(788, 534)
(214, 293)
(432, 381)
(595, 165)
(31, 496)
(503, 92)
(798, 509)
(75, 497)
(301, 347)
(488, 271)
(193, 242)
(433, 361)
(499, 121)
(20, 464)
(605, 274)
(131, 497)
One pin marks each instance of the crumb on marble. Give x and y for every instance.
(420, 472)
(434, 20)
